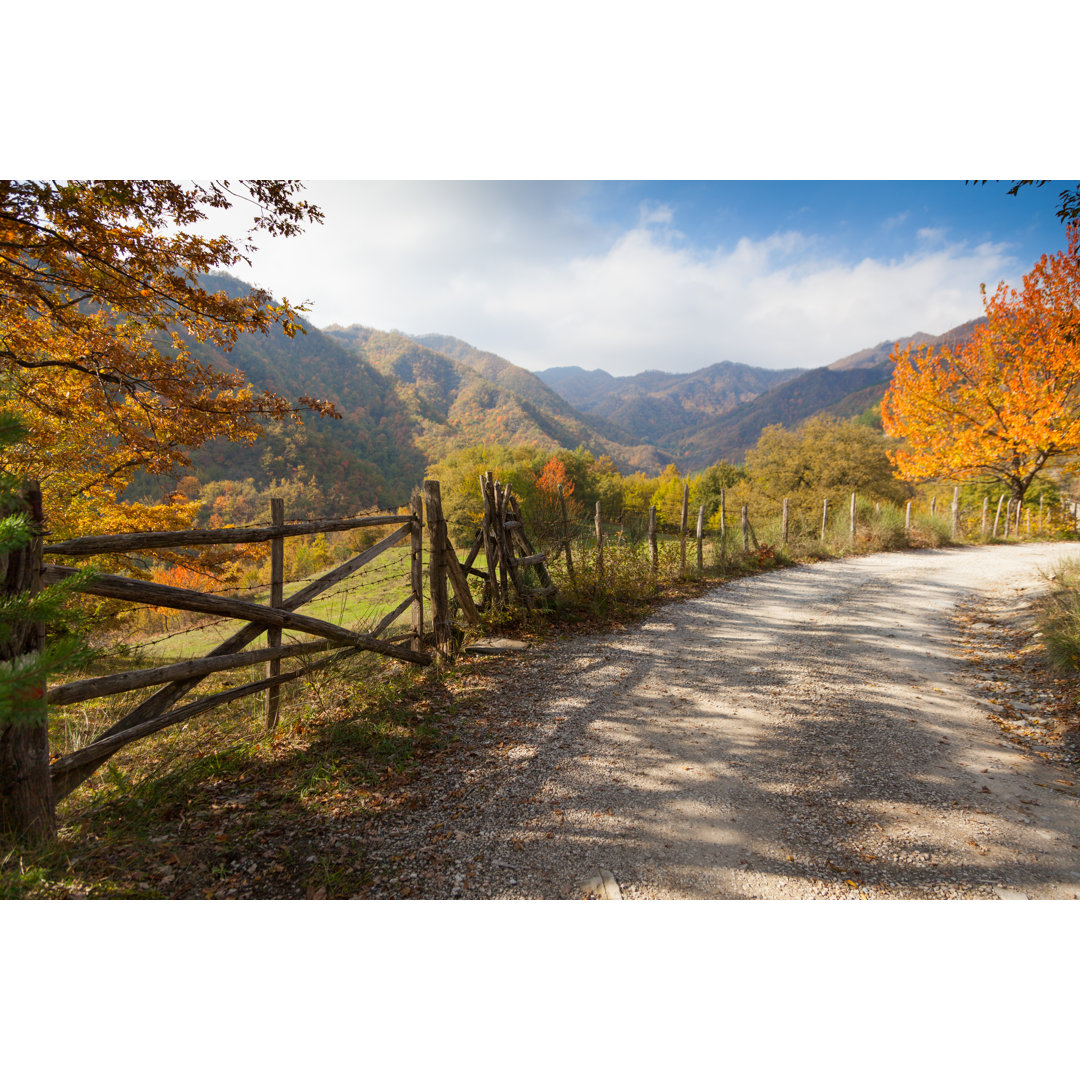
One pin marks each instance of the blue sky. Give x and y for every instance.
(628, 276)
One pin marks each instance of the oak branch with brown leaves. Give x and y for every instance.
(100, 296)
(1006, 403)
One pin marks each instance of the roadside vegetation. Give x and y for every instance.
(1058, 616)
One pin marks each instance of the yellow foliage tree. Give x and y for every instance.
(100, 295)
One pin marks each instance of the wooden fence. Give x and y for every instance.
(845, 526)
(281, 612)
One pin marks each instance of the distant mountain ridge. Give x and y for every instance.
(662, 407)
(725, 416)
(857, 380)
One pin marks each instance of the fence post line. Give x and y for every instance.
(824, 518)
(566, 538)
(745, 527)
(986, 511)
(784, 523)
(907, 519)
(27, 806)
(933, 505)
(682, 528)
(723, 513)
(416, 570)
(440, 601)
(272, 699)
(700, 536)
(955, 512)
(1008, 517)
(1019, 507)
(654, 553)
(851, 533)
(997, 515)
(599, 545)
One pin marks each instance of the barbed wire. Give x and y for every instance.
(179, 632)
(375, 511)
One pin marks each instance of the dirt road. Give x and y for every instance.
(807, 733)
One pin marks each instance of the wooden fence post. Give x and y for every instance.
(986, 511)
(440, 600)
(599, 545)
(851, 532)
(416, 570)
(654, 553)
(27, 808)
(491, 544)
(997, 515)
(682, 528)
(566, 538)
(272, 700)
(1008, 518)
(955, 512)
(907, 518)
(784, 523)
(1041, 526)
(700, 537)
(824, 519)
(723, 514)
(745, 527)
(1019, 507)
(933, 505)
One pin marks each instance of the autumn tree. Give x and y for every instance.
(822, 458)
(1006, 403)
(705, 488)
(101, 295)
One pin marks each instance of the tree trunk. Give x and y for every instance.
(27, 808)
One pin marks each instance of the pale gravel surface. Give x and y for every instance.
(812, 732)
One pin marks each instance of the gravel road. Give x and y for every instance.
(813, 732)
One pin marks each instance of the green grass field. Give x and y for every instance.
(358, 603)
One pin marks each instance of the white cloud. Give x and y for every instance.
(653, 214)
(522, 271)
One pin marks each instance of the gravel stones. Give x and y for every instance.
(805, 733)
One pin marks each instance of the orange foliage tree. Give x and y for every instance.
(548, 507)
(1006, 403)
(100, 295)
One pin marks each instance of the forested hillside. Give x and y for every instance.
(482, 398)
(401, 407)
(367, 456)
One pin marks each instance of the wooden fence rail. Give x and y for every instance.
(162, 709)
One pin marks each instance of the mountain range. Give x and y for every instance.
(727, 406)
(405, 401)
